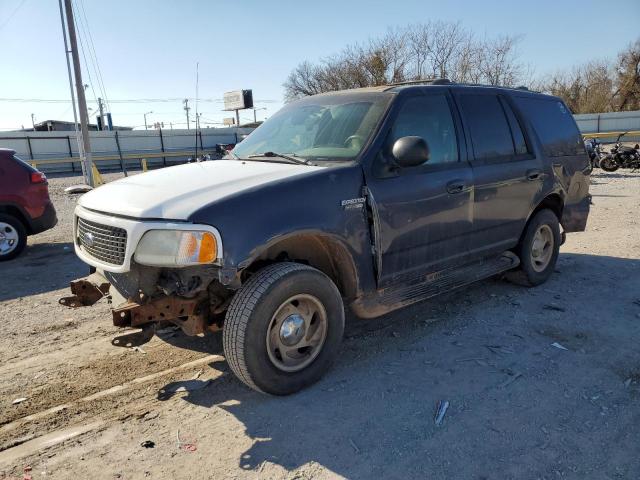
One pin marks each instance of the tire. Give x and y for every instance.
(532, 271)
(13, 237)
(267, 298)
(608, 164)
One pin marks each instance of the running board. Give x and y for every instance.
(432, 284)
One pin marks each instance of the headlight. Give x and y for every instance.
(167, 248)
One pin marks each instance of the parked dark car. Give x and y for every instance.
(25, 206)
(374, 198)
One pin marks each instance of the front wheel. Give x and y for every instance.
(283, 328)
(608, 164)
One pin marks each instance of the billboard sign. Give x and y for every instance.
(238, 100)
(229, 121)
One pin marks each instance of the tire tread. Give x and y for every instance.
(242, 306)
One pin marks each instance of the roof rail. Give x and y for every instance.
(425, 81)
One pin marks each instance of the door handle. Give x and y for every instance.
(533, 174)
(456, 186)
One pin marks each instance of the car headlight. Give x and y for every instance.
(168, 248)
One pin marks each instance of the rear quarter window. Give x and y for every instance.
(554, 124)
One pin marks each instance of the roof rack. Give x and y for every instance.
(425, 81)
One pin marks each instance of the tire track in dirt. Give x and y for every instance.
(133, 397)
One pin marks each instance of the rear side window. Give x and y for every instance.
(554, 125)
(429, 117)
(488, 126)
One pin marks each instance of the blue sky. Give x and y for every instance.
(149, 49)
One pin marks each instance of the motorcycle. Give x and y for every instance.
(594, 150)
(621, 156)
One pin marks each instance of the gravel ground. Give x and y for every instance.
(519, 406)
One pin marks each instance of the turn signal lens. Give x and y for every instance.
(208, 248)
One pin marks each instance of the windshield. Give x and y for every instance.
(331, 127)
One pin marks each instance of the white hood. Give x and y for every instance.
(176, 192)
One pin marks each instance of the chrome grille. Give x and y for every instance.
(102, 242)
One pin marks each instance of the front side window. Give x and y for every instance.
(428, 117)
(329, 127)
(488, 126)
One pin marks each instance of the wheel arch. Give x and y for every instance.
(16, 212)
(321, 251)
(553, 202)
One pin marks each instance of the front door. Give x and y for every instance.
(423, 214)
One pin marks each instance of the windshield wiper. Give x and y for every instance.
(280, 155)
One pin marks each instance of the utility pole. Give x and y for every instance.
(101, 108)
(145, 120)
(82, 101)
(73, 95)
(186, 109)
(255, 120)
(33, 122)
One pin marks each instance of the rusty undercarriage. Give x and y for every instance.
(195, 316)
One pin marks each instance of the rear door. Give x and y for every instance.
(507, 175)
(423, 213)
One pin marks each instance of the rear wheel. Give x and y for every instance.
(538, 250)
(13, 237)
(283, 328)
(608, 164)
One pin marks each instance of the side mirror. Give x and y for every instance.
(410, 151)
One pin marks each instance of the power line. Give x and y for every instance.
(126, 100)
(93, 56)
(82, 50)
(8, 19)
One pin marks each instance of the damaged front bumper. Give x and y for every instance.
(195, 316)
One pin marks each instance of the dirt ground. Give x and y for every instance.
(519, 407)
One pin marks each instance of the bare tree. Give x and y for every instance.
(498, 61)
(627, 94)
(586, 88)
(447, 50)
(419, 48)
(448, 39)
(428, 50)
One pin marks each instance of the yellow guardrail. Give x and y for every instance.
(632, 133)
(128, 156)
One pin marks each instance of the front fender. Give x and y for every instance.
(317, 205)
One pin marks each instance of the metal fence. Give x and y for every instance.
(610, 122)
(57, 152)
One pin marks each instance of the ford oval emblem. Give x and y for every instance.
(89, 240)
